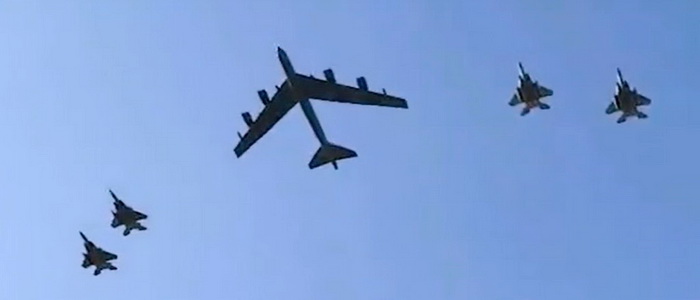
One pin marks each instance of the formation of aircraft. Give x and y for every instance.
(122, 215)
(96, 256)
(626, 99)
(299, 88)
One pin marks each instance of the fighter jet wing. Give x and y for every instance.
(86, 262)
(544, 92)
(139, 216)
(612, 108)
(642, 100)
(107, 255)
(515, 100)
(279, 105)
(324, 90)
(116, 222)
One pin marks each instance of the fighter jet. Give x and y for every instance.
(97, 257)
(529, 92)
(627, 100)
(298, 88)
(127, 216)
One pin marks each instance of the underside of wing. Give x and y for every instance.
(86, 261)
(515, 100)
(329, 91)
(116, 222)
(544, 91)
(643, 100)
(139, 215)
(612, 108)
(279, 105)
(107, 255)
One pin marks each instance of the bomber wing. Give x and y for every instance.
(279, 105)
(329, 91)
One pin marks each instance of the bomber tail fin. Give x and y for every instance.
(330, 153)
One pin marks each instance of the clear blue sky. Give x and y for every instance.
(457, 197)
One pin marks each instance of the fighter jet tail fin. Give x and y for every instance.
(330, 153)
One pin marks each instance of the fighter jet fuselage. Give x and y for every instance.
(529, 93)
(96, 256)
(127, 216)
(627, 100)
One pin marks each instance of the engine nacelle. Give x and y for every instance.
(362, 83)
(247, 118)
(330, 77)
(264, 97)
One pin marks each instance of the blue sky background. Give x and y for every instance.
(457, 197)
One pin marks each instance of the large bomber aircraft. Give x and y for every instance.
(529, 92)
(627, 100)
(298, 88)
(97, 257)
(127, 216)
